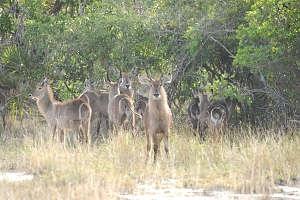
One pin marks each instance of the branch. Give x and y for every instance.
(231, 55)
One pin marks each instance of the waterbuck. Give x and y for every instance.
(98, 101)
(157, 117)
(73, 114)
(213, 114)
(125, 84)
(140, 105)
(120, 107)
(231, 104)
(89, 86)
(195, 108)
(3, 89)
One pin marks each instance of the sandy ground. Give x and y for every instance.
(147, 191)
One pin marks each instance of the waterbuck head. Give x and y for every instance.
(89, 85)
(41, 89)
(157, 91)
(125, 84)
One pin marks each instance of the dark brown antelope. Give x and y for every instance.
(157, 117)
(3, 90)
(213, 114)
(120, 107)
(98, 101)
(194, 110)
(73, 114)
(125, 84)
(231, 104)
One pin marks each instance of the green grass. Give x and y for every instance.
(244, 161)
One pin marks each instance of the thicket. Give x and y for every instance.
(246, 49)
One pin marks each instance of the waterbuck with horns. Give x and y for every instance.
(73, 114)
(120, 106)
(157, 117)
(3, 89)
(98, 101)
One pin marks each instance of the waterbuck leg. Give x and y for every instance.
(156, 145)
(98, 122)
(3, 118)
(166, 143)
(149, 144)
(53, 132)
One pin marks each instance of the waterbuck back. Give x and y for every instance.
(61, 116)
(217, 116)
(140, 106)
(120, 107)
(3, 89)
(98, 101)
(126, 83)
(157, 117)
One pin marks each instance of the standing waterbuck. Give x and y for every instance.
(120, 107)
(3, 89)
(213, 115)
(98, 101)
(73, 114)
(157, 117)
(126, 84)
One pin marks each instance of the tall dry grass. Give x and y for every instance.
(245, 160)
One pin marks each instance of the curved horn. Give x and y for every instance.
(120, 73)
(107, 77)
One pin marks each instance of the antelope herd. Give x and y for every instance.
(117, 109)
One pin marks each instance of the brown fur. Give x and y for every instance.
(61, 116)
(120, 108)
(157, 116)
(98, 101)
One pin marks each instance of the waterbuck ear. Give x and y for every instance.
(132, 72)
(116, 71)
(143, 80)
(167, 78)
(45, 82)
(209, 94)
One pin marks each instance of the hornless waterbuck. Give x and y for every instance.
(126, 85)
(157, 117)
(89, 86)
(73, 114)
(98, 101)
(120, 107)
(3, 89)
